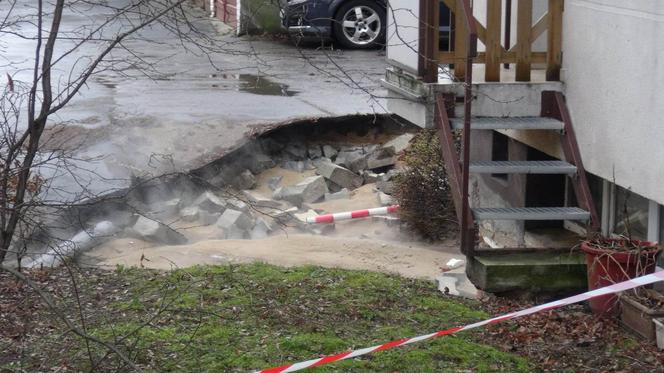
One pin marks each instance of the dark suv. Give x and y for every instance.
(356, 24)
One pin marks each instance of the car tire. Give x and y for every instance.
(360, 24)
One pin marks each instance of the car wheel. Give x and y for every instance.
(360, 24)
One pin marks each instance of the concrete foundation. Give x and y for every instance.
(534, 272)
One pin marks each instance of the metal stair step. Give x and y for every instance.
(514, 123)
(531, 213)
(522, 167)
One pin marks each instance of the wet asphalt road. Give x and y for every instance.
(196, 106)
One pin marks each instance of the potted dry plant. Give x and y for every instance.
(612, 260)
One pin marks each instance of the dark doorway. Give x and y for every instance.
(544, 191)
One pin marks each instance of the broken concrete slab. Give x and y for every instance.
(314, 151)
(399, 143)
(386, 199)
(339, 175)
(329, 151)
(237, 204)
(234, 233)
(342, 194)
(298, 166)
(355, 160)
(170, 207)
(210, 202)
(386, 187)
(153, 230)
(261, 229)
(259, 201)
(284, 216)
(308, 190)
(208, 218)
(260, 162)
(303, 216)
(296, 150)
(189, 214)
(234, 218)
(274, 182)
(380, 158)
(369, 177)
(245, 180)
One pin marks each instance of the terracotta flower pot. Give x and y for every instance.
(608, 266)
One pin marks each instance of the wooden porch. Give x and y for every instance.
(497, 59)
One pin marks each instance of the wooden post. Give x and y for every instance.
(554, 54)
(524, 21)
(460, 44)
(493, 47)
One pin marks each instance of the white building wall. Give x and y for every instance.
(613, 68)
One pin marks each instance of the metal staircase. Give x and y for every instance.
(554, 117)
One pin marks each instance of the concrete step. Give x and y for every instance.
(531, 213)
(507, 123)
(536, 273)
(522, 167)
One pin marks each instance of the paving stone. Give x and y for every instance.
(189, 214)
(370, 177)
(342, 194)
(260, 162)
(245, 180)
(168, 208)
(339, 175)
(234, 233)
(302, 217)
(386, 199)
(233, 218)
(285, 216)
(386, 187)
(237, 204)
(273, 182)
(298, 166)
(208, 218)
(355, 160)
(152, 230)
(380, 158)
(399, 143)
(297, 151)
(261, 229)
(259, 201)
(210, 202)
(315, 151)
(329, 151)
(308, 190)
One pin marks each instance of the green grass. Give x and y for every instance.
(246, 317)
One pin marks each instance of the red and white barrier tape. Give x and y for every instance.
(615, 288)
(330, 218)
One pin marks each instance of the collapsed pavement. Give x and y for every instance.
(315, 166)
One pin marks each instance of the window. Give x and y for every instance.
(631, 214)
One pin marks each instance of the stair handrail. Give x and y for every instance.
(467, 242)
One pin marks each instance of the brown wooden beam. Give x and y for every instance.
(554, 40)
(494, 49)
(523, 51)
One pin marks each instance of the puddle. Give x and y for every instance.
(260, 85)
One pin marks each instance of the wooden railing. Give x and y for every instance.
(520, 53)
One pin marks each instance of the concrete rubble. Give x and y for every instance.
(339, 175)
(245, 180)
(309, 190)
(241, 208)
(210, 203)
(153, 230)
